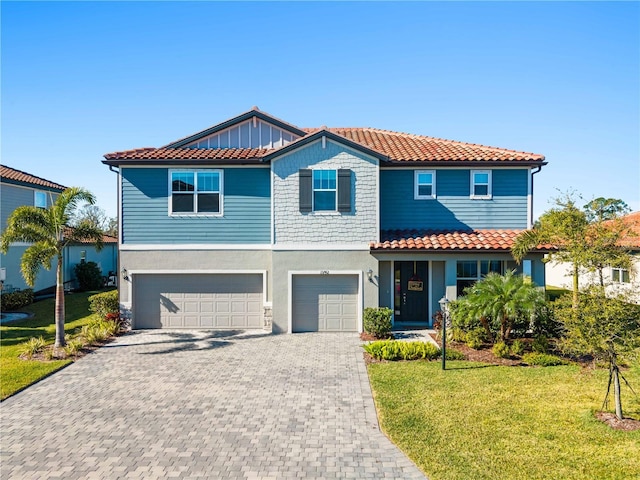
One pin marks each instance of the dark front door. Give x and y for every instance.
(411, 292)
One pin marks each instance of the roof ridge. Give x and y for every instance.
(57, 185)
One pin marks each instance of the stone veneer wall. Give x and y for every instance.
(357, 227)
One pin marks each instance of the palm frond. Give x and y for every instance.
(25, 224)
(35, 257)
(524, 243)
(86, 232)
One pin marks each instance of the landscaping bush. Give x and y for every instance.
(501, 350)
(396, 350)
(32, 347)
(540, 344)
(377, 321)
(105, 303)
(542, 359)
(15, 300)
(88, 275)
(475, 338)
(73, 347)
(517, 348)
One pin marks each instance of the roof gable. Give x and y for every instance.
(18, 177)
(252, 117)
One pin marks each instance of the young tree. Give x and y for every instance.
(501, 299)
(606, 328)
(48, 232)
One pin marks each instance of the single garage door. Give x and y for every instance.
(198, 301)
(325, 303)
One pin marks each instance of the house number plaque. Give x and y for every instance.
(414, 286)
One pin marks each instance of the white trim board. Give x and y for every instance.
(194, 246)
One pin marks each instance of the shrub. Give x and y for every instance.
(15, 300)
(32, 347)
(396, 350)
(377, 321)
(542, 359)
(501, 350)
(517, 348)
(88, 275)
(457, 335)
(453, 354)
(540, 344)
(475, 338)
(74, 347)
(105, 303)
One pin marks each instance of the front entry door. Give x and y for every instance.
(411, 292)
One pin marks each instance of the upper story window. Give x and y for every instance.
(424, 184)
(196, 192)
(325, 190)
(620, 275)
(40, 199)
(481, 184)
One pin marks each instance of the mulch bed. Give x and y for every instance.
(626, 424)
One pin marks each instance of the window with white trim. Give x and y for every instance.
(195, 192)
(469, 272)
(620, 275)
(481, 184)
(40, 199)
(424, 184)
(325, 190)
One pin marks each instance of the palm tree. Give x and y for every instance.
(503, 299)
(48, 232)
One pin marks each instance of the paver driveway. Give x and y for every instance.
(161, 404)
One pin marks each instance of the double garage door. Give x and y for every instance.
(325, 303)
(198, 301)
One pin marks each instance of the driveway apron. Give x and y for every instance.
(203, 404)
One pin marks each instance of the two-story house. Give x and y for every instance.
(18, 188)
(256, 220)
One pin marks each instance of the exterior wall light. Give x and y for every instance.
(370, 275)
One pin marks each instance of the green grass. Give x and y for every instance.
(16, 374)
(511, 423)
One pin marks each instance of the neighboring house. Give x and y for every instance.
(256, 221)
(19, 188)
(616, 279)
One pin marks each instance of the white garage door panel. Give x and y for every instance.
(198, 301)
(325, 303)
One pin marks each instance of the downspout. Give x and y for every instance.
(117, 252)
(532, 174)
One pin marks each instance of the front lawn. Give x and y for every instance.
(15, 373)
(497, 422)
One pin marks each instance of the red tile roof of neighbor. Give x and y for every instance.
(24, 177)
(105, 238)
(496, 240)
(396, 146)
(632, 221)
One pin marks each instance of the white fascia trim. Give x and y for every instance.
(291, 273)
(194, 246)
(120, 209)
(272, 182)
(319, 247)
(131, 273)
(426, 166)
(200, 166)
(529, 199)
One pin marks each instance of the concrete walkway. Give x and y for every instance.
(243, 405)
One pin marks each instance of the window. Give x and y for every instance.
(40, 199)
(196, 191)
(325, 190)
(425, 184)
(469, 272)
(620, 275)
(481, 184)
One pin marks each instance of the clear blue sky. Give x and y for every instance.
(562, 79)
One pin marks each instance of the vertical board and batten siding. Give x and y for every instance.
(246, 209)
(357, 226)
(246, 135)
(452, 208)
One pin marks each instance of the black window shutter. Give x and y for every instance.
(344, 190)
(305, 190)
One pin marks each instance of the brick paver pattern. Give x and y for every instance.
(203, 404)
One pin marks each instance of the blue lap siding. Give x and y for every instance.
(146, 219)
(452, 209)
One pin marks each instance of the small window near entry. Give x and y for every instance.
(469, 272)
(197, 191)
(481, 184)
(324, 190)
(40, 199)
(620, 275)
(425, 184)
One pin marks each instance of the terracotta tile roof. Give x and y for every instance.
(632, 222)
(15, 175)
(495, 240)
(105, 238)
(151, 153)
(396, 146)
